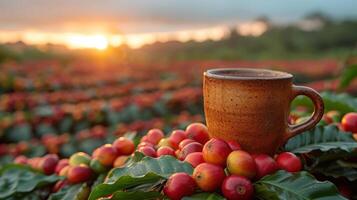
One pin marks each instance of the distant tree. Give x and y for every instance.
(233, 34)
(265, 20)
(324, 18)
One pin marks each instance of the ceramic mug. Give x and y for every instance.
(251, 106)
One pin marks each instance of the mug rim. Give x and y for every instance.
(282, 75)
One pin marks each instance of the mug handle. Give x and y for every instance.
(316, 115)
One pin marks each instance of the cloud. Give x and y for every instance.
(137, 16)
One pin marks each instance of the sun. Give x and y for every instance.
(99, 42)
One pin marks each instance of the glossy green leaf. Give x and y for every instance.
(204, 196)
(316, 158)
(100, 179)
(348, 74)
(337, 169)
(123, 182)
(343, 102)
(145, 171)
(75, 192)
(37, 150)
(43, 111)
(89, 145)
(138, 156)
(34, 195)
(21, 132)
(6, 159)
(297, 186)
(163, 166)
(321, 138)
(43, 129)
(137, 195)
(16, 179)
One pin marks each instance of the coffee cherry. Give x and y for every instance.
(216, 151)
(148, 151)
(241, 163)
(154, 136)
(349, 122)
(185, 142)
(265, 165)
(105, 155)
(97, 167)
(197, 132)
(195, 158)
(289, 162)
(124, 146)
(179, 185)
(176, 137)
(190, 148)
(165, 151)
(79, 158)
(48, 163)
(61, 164)
(78, 174)
(237, 188)
(208, 177)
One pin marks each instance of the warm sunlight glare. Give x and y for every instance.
(99, 42)
(102, 40)
(252, 28)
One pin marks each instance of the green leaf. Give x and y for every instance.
(321, 138)
(318, 157)
(343, 102)
(68, 149)
(138, 156)
(6, 159)
(19, 133)
(137, 195)
(348, 74)
(43, 111)
(43, 129)
(100, 179)
(164, 166)
(37, 150)
(160, 108)
(15, 179)
(156, 186)
(89, 145)
(337, 169)
(35, 195)
(71, 192)
(297, 186)
(123, 182)
(144, 171)
(204, 196)
(65, 124)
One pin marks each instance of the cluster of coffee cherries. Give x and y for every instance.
(81, 167)
(219, 166)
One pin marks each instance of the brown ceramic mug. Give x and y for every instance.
(251, 106)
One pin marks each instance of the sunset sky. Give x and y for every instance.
(97, 24)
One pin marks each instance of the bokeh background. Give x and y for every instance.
(76, 74)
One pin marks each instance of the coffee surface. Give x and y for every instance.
(241, 73)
